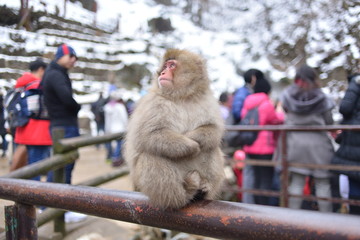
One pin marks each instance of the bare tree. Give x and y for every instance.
(25, 15)
(65, 8)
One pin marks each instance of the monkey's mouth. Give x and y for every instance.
(163, 81)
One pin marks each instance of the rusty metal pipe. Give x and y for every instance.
(216, 219)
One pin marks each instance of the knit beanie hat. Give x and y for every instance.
(64, 49)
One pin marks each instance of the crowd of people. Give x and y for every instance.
(33, 140)
(300, 104)
(303, 103)
(111, 116)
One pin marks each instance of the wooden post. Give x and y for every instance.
(284, 196)
(58, 134)
(20, 222)
(11, 223)
(27, 221)
(59, 176)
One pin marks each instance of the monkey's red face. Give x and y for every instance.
(167, 74)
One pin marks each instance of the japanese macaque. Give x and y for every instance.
(172, 145)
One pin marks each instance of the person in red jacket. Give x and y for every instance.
(265, 143)
(35, 134)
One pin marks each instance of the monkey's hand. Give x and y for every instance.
(207, 136)
(171, 145)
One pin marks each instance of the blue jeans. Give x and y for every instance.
(70, 131)
(37, 153)
(248, 183)
(354, 188)
(354, 193)
(114, 154)
(100, 127)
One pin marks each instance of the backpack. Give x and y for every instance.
(21, 105)
(242, 138)
(33, 104)
(98, 109)
(251, 119)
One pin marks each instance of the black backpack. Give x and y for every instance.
(15, 112)
(251, 119)
(98, 109)
(21, 105)
(242, 138)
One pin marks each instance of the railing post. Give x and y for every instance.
(284, 194)
(11, 223)
(27, 221)
(59, 175)
(20, 220)
(58, 134)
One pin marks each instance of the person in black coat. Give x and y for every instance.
(3, 132)
(98, 110)
(58, 97)
(349, 150)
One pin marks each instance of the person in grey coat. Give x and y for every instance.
(306, 104)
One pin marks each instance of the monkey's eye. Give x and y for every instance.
(171, 64)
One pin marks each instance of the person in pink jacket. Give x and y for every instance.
(265, 144)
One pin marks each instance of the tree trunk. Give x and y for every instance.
(25, 15)
(65, 8)
(24, 5)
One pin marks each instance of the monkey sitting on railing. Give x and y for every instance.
(174, 135)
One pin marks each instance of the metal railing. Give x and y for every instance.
(65, 152)
(284, 176)
(218, 219)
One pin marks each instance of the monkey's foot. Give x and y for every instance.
(192, 181)
(194, 186)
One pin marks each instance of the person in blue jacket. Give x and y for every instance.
(240, 94)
